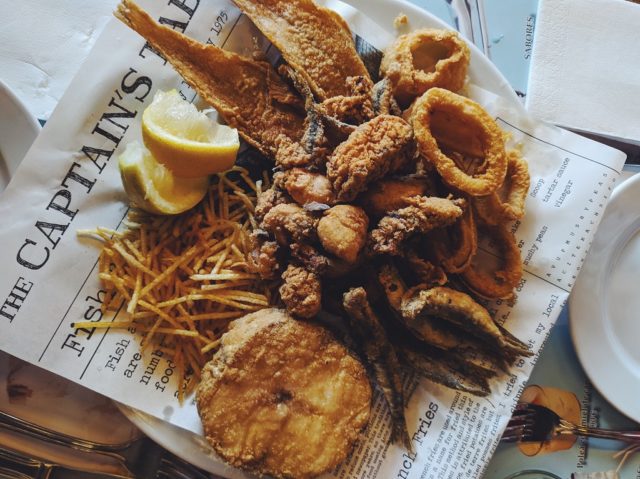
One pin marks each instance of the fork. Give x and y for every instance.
(534, 423)
(141, 457)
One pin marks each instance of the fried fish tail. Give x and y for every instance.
(439, 371)
(248, 94)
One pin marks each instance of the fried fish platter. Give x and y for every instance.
(375, 214)
(282, 397)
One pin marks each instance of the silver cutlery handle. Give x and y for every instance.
(21, 426)
(626, 436)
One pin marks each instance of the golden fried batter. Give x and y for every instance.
(268, 199)
(442, 119)
(380, 146)
(342, 230)
(423, 214)
(353, 108)
(263, 258)
(289, 222)
(248, 94)
(425, 59)
(301, 292)
(307, 186)
(282, 397)
(507, 203)
(392, 193)
(314, 40)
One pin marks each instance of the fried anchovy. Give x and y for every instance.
(441, 372)
(381, 357)
(461, 310)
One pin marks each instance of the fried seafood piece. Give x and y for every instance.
(248, 94)
(265, 257)
(282, 397)
(425, 59)
(496, 281)
(306, 186)
(455, 246)
(315, 41)
(353, 108)
(268, 199)
(422, 215)
(301, 291)
(380, 146)
(381, 357)
(445, 122)
(420, 305)
(389, 194)
(441, 370)
(342, 230)
(506, 204)
(383, 100)
(289, 222)
(425, 271)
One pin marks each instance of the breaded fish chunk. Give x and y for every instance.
(282, 397)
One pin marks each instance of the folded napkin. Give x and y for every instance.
(585, 69)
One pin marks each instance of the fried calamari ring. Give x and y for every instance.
(499, 282)
(493, 209)
(441, 117)
(425, 59)
(461, 243)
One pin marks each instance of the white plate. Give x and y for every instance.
(18, 129)
(482, 72)
(605, 303)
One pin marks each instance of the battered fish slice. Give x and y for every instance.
(248, 94)
(283, 397)
(381, 357)
(314, 40)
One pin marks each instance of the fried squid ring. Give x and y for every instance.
(425, 59)
(441, 117)
(493, 209)
(461, 243)
(499, 282)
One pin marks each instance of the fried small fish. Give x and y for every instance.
(248, 94)
(314, 40)
(381, 357)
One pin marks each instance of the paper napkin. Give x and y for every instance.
(585, 70)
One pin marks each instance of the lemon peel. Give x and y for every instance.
(184, 139)
(153, 187)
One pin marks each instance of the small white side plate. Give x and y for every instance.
(605, 303)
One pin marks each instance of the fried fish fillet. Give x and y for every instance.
(314, 40)
(248, 94)
(283, 397)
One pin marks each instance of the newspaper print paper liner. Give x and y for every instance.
(462, 434)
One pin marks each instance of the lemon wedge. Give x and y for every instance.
(184, 139)
(153, 187)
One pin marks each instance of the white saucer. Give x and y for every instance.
(18, 129)
(605, 303)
